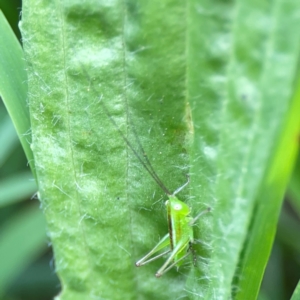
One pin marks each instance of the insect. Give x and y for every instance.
(180, 238)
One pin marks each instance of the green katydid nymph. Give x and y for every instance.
(180, 238)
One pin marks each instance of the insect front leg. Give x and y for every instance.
(163, 243)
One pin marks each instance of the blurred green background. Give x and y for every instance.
(27, 268)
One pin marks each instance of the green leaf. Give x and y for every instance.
(100, 220)
(27, 227)
(208, 89)
(13, 85)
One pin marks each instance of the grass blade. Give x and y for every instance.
(13, 85)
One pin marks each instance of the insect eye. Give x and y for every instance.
(177, 206)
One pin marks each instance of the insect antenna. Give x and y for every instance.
(146, 164)
(145, 156)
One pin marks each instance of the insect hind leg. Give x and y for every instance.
(164, 242)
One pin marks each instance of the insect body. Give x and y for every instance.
(179, 239)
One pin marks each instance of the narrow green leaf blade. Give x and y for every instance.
(13, 85)
(272, 191)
